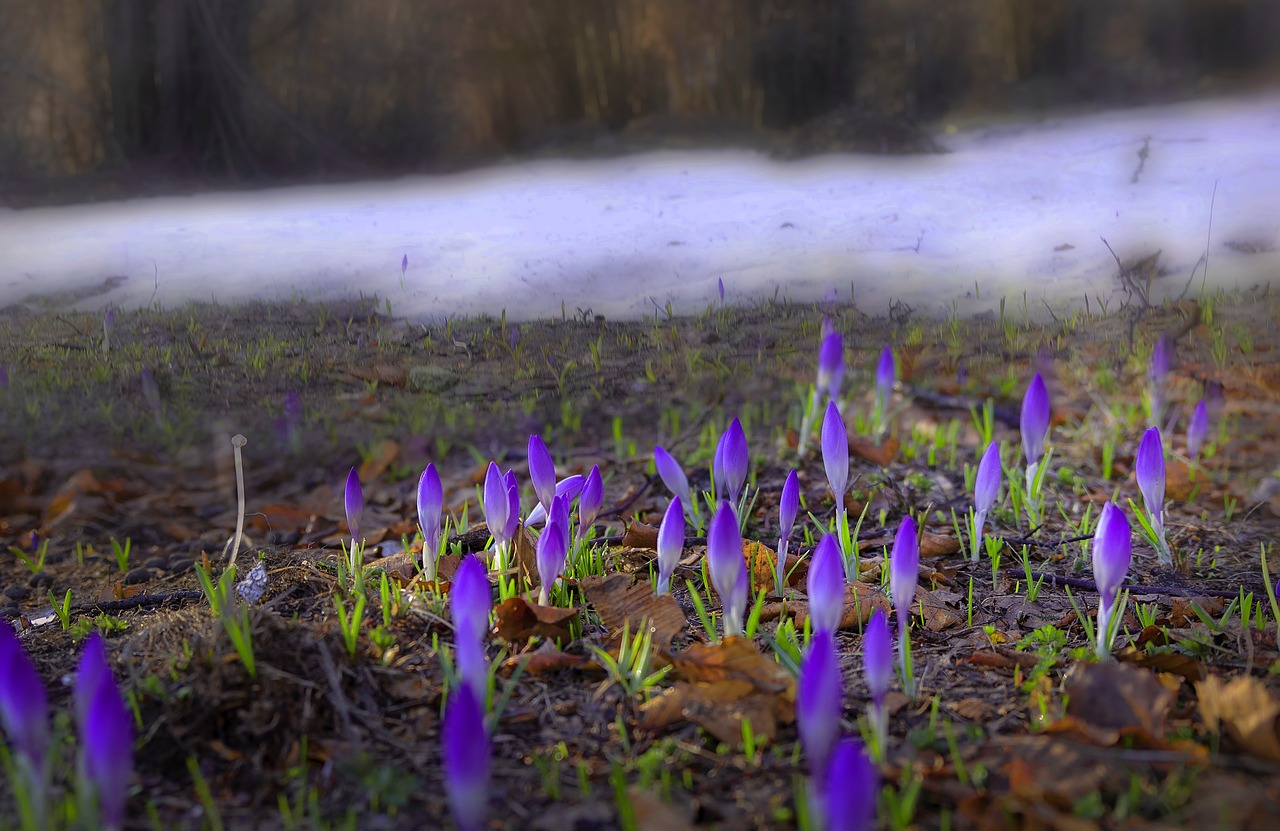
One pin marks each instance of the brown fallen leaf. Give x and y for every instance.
(860, 600)
(542, 661)
(1243, 709)
(652, 814)
(518, 620)
(377, 462)
(1115, 697)
(737, 659)
(1181, 613)
(935, 606)
(880, 454)
(639, 535)
(623, 603)
(1173, 663)
(938, 545)
(282, 518)
(526, 557)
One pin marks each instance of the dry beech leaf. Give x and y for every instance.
(1181, 614)
(384, 453)
(1245, 710)
(542, 661)
(526, 557)
(1115, 698)
(519, 620)
(737, 659)
(938, 545)
(936, 608)
(639, 535)
(652, 814)
(860, 600)
(281, 517)
(880, 454)
(1172, 663)
(622, 602)
(761, 563)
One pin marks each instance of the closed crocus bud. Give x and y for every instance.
(788, 507)
(850, 788)
(717, 468)
(590, 500)
(819, 701)
(1150, 472)
(831, 363)
(877, 656)
(728, 568)
(354, 503)
(513, 505)
(430, 510)
(736, 460)
(1035, 419)
(470, 662)
(886, 374)
(470, 599)
(986, 484)
(542, 471)
(497, 503)
(24, 706)
(560, 515)
(92, 670)
(106, 746)
(569, 487)
(550, 552)
(904, 565)
(1197, 429)
(670, 544)
(835, 452)
(404, 264)
(466, 759)
(720, 287)
(826, 586)
(671, 474)
(1112, 549)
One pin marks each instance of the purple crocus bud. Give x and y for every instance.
(849, 793)
(470, 662)
(826, 586)
(886, 374)
(92, 671)
(788, 507)
(470, 600)
(1035, 419)
(542, 471)
(568, 487)
(109, 317)
(590, 500)
(986, 484)
(735, 460)
(550, 553)
(672, 475)
(24, 706)
(353, 501)
(466, 759)
(717, 467)
(670, 544)
(1112, 549)
(720, 287)
(560, 516)
(106, 745)
(819, 701)
(404, 264)
(728, 568)
(877, 656)
(513, 505)
(835, 452)
(831, 364)
(904, 570)
(430, 509)
(1150, 471)
(497, 503)
(1197, 429)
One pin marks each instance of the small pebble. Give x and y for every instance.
(158, 563)
(17, 591)
(40, 580)
(137, 575)
(180, 564)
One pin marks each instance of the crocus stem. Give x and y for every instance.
(1104, 626)
(880, 729)
(977, 523)
(904, 660)
(238, 441)
(780, 575)
(1033, 496)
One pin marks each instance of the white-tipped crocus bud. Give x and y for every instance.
(877, 656)
(1197, 429)
(819, 701)
(835, 452)
(735, 460)
(826, 586)
(728, 568)
(670, 544)
(24, 705)
(353, 501)
(542, 471)
(849, 791)
(1112, 549)
(466, 759)
(590, 500)
(1035, 419)
(788, 507)
(550, 552)
(904, 570)
(106, 744)
(671, 474)
(497, 503)
(986, 484)
(470, 599)
(886, 374)
(430, 509)
(831, 364)
(1149, 469)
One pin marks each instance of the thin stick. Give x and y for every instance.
(238, 441)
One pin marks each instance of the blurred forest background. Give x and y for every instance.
(103, 98)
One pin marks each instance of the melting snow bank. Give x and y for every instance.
(1013, 208)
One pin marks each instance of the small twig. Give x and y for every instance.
(238, 441)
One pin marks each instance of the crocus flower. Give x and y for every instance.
(1150, 472)
(1157, 373)
(106, 738)
(513, 505)
(466, 759)
(90, 672)
(849, 802)
(404, 264)
(835, 453)
(886, 374)
(590, 500)
(430, 509)
(728, 568)
(568, 487)
(1035, 419)
(877, 669)
(670, 544)
(830, 364)
(986, 487)
(819, 702)
(671, 474)
(1111, 553)
(353, 501)
(904, 565)
(788, 507)
(497, 507)
(470, 599)
(470, 661)
(24, 706)
(826, 586)
(542, 471)
(1197, 429)
(735, 460)
(551, 551)
(720, 287)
